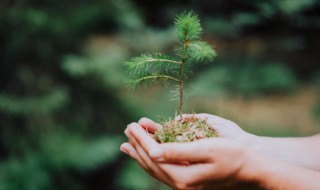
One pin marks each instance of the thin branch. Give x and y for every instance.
(158, 60)
(155, 77)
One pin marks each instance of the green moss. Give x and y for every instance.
(184, 130)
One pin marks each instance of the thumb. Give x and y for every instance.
(196, 151)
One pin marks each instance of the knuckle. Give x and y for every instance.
(169, 153)
(189, 183)
(184, 183)
(149, 164)
(149, 171)
(180, 185)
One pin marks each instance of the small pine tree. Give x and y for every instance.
(156, 67)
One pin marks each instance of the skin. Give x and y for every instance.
(284, 149)
(217, 163)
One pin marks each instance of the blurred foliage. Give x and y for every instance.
(53, 125)
(248, 80)
(317, 84)
(32, 105)
(104, 64)
(63, 104)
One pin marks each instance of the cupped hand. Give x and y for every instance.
(216, 163)
(223, 127)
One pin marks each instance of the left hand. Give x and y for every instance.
(215, 163)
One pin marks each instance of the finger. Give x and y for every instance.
(216, 120)
(149, 125)
(220, 125)
(147, 163)
(191, 175)
(130, 150)
(126, 132)
(191, 152)
(127, 148)
(143, 138)
(151, 167)
(218, 130)
(211, 118)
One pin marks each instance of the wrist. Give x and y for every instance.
(255, 143)
(252, 168)
(267, 173)
(260, 170)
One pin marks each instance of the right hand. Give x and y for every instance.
(219, 164)
(297, 151)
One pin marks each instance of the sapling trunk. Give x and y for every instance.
(155, 67)
(181, 90)
(184, 57)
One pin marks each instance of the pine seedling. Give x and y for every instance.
(150, 68)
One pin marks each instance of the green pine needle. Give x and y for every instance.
(150, 79)
(188, 27)
(155, 67)
(149, 68)
(201, 51)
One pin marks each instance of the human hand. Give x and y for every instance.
(212, 163)
(222, 127)
(289, 150)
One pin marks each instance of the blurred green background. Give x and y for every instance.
(64, 105)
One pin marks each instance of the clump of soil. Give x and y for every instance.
(184, 130)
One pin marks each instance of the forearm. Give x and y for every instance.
(297, 151)
(272, 174)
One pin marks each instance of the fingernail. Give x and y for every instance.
(126, 132)
(132, 128)
(141, 119)
(156, 153)
(124, 150)
(133, 124)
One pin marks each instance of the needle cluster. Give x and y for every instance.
(156, 67)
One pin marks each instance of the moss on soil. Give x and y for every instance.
(184, 130)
